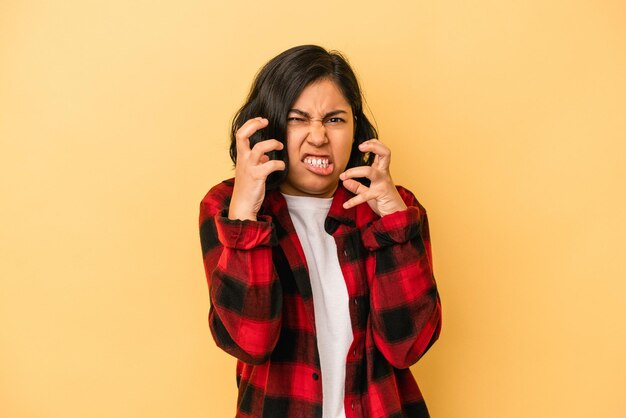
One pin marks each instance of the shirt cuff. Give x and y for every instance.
(246, 234)
(395, 228)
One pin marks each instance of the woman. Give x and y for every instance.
(319, 268)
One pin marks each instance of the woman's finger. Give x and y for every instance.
(356, 200)
(376, 146)
(272, 165)
(360, 190)
(243, 134)
(356, 172)
(354, 186)
(382, 152)
(263, 147)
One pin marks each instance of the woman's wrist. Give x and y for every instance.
(234, 214)
(238, 211)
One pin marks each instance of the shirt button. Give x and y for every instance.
(345, 253)
(315, 376)
(356, 301)
(352, 405)
(354, 352)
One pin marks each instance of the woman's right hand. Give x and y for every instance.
(251, 170)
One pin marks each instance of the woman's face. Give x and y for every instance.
(320, 132)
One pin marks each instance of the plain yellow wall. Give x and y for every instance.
(507, 119)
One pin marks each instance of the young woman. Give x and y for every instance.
(319, 267)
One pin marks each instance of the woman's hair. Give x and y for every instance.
(278, 85)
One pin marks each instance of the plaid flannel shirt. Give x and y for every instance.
(262, 306)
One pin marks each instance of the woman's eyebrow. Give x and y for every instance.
(327, 115)
(300, 112)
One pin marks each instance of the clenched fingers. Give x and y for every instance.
(272, 165)
(356, 172)
(246, 130)
(263, 147)
(256, 164)
(382, 152)
(359, 189)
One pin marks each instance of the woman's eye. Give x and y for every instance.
(294, 119)
(334, 120)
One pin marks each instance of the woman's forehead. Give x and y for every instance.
(321, 96)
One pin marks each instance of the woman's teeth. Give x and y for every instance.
(317, 162)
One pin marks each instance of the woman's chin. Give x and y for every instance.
(318, 188)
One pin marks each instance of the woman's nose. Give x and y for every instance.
(317, 133)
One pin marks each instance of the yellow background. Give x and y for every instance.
(507, 119)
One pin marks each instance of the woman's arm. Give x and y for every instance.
(246, 296)
(404, 303)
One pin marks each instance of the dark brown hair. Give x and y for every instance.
(279, 84)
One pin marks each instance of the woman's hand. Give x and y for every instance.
(251, 170)
(381, 195)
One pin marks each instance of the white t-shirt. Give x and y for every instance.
(330, 297)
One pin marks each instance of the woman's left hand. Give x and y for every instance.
(381, 195)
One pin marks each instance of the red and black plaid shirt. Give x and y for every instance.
(262, 305)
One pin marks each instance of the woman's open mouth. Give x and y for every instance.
(318, 164)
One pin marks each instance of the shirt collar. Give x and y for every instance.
(337, 213)
(275, 203)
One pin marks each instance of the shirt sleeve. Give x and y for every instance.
(405, 307)
(245, 293)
